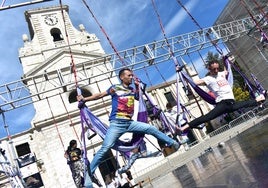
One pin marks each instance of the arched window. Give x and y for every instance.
(73, 94)
(56, 34)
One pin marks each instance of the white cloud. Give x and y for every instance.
(179, 18)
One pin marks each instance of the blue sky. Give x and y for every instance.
(128, 23)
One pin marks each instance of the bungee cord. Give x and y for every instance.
(105, 33)
(164, 35)
(87, 172)
(55, 123)
(265, 15)
(175, 60)
(193, 19)
(69, 46)
(70, 118)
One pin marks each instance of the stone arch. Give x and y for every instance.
(73, 94)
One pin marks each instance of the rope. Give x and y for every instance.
(152, 144)
(261, 9)
(194, 20)
(105, 33)
(147, 75)
(160, 73)
(164, 34)
(255, 21)
(172, 55)
(201, 57)
(70, 118)
(198, 25)
(55, 123)
(69, 46)
(191, 61)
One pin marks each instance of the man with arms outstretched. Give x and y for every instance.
(123, 96)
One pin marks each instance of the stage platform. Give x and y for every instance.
(235, 155)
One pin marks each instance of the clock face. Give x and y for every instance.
(51, 20)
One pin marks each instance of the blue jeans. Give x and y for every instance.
(88, 182)
(130, 162)
(119, 127)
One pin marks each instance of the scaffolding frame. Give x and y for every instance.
(30, 88)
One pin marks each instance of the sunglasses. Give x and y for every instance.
(215, 69)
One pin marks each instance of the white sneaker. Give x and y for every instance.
(260, 98)
(184, 141)
(181, 121)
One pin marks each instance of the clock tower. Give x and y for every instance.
(49, 28)
(47, 56)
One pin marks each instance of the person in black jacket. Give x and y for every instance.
(73, 156)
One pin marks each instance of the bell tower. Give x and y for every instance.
(48, 53)
(51, 31)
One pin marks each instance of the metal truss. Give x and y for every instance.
(261, 22)
(2, 7)
(31, 89)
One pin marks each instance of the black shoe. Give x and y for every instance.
(95, 180)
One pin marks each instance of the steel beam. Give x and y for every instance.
(17, 94)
